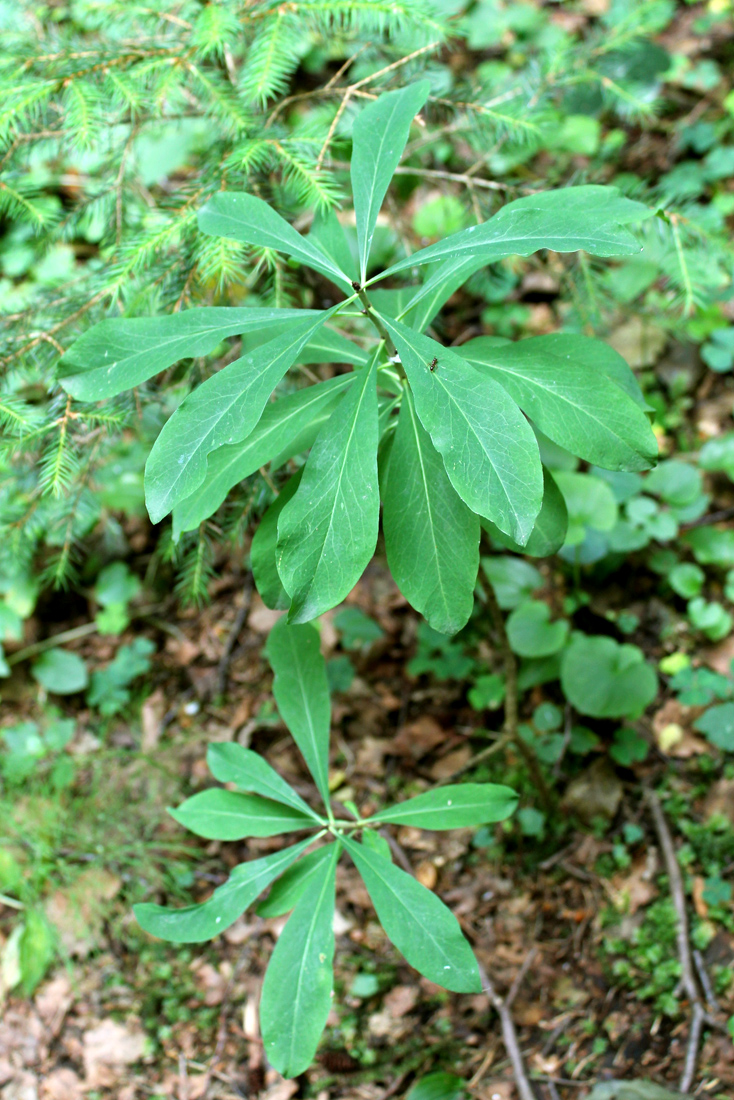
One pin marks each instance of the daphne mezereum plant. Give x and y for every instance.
(444, 437)
(298, 987)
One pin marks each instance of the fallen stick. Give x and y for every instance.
(509, 1036)
(688, 973)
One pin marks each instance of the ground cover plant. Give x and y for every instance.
(414, 323)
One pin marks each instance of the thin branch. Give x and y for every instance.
(688, 973)
(509, 1036)
(226, 658)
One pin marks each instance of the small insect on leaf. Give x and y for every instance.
(433, 364)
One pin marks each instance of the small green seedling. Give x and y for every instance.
(298, 987)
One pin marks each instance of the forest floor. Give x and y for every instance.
(122, 1015)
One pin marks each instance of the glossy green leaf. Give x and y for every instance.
(123, 352)
(431, 537)
(591, 217)
(435, 291)
(453, 807)
(328, 532)
(196, 923)
(558, 381)
(228, 815)
(232, 763)
(531, 632)
(298, 986)
(328, 233)
(285, 891)
(417, 922)
(550, 528)
(378, 139)
(223, 410)
(437, 1086)
(243, 217)
(301, 691)
(489, 450)
(262, 550)
(604, 679)
(286, 428)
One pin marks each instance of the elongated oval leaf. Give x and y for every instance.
(224, 409)
(556, 380)
(591, 217)
(232, 763)
(549, 530)
(262, 550)
(285, 891)
(453, 807)
(489, 450)
(441, 283)
(328, 233)
(378, 139)
(243, 217)
(301, 691)
(299, 981)
(227, 815)
(328, 532)
(417, 922)
(431, 537)
(123, 352)
(286, 428)
(196, 923)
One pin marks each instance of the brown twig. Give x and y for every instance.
(509, 1036)
(220, 684)
(688, 974)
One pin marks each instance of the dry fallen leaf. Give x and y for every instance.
(451, 762)
(61, 1084)
(418, 738)
(108, 1049)
(78, 910)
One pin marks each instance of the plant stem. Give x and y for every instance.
(511, 694)
(370, 314)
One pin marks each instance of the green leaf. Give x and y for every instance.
(36, 949)
(196, 923)
(687, 579)
(224, 409)
(286, 890)
(491, 458)
(378, 139)
(431, 537)
(606, 680)
(116, 584)
(417, 922)
(629, 747)
(718, 726)
(123, 352)
(243, 217)
(301, 691)
(513, 580)
(60, 672)
(328, 532)
(441, 283)
(358, 631)
(227, 815)
(328, 233)
(437, 1086)
(232, 763)
(262, 550)
(711, 546)
(559, 382)
(453, 807)
(531, 633)
(298, 986)
(549, 531)
(591, 217)
(286, 427)
(590, 503)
